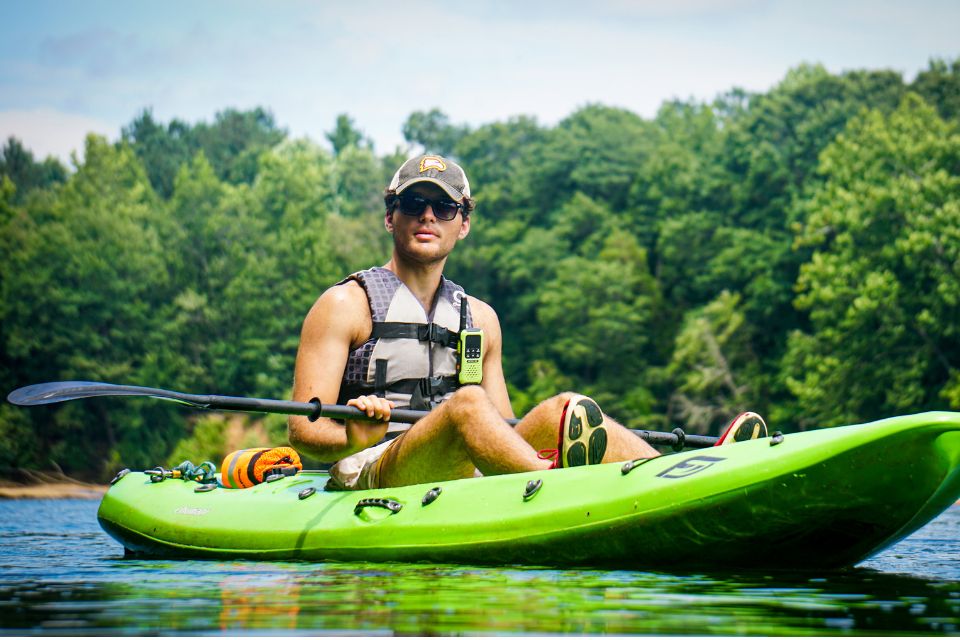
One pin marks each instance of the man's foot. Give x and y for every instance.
(746, 426)
(583, 438)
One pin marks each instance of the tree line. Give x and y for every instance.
(795, 252)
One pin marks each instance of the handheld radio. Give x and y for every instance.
(469, 350)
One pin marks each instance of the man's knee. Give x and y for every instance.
(559, 401)
(466, 404)
(468, 397)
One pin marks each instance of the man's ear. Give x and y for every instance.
(464, 229)
(388, 221)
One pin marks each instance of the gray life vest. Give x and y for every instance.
(410, 357)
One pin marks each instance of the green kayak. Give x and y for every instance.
(815, 500)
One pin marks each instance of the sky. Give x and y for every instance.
(71, 68)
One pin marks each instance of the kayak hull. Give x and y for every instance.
(819, 499)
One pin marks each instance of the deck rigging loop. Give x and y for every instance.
(532, 487)
(431, 495)
(630, 465)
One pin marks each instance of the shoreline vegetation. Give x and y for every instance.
(49, 485)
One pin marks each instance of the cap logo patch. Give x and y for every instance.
(432, 162)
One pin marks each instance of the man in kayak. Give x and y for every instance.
(392, 336)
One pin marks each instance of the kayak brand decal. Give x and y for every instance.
(192, 511)
(688, 467)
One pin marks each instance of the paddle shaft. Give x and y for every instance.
(52, 392)
(408, 416)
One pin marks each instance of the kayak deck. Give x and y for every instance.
(820, 499)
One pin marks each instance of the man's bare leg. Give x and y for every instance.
(467, 433)
(541, 428)
(463, 434)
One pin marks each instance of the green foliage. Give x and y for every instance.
(357, 182)
(212, 436)
(595, 151)
(772, 148)
(546, 380)
(207, 442)
(939, 85)
(17, 165)
(712, 365)
(502, 158)
(433, 131)
(601, 308)
(232, 144)
(84, 294)
(882, 288)
(162, 150)
(18, 445)
(795, 252)
(345, 135)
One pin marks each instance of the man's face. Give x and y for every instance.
(425, 238)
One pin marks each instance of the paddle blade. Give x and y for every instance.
(51, 392)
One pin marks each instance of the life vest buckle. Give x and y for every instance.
(428, 333)
(431, 386)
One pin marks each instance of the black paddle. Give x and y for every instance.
(52, 392)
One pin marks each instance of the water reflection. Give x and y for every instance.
(80, 583)
(270, 602)
(410, 599)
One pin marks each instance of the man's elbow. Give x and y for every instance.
(296, 435)
(310, 439)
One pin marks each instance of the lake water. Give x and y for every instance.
(61, 575)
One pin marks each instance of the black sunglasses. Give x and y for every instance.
(412, 204)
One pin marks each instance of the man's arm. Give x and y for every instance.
(338, 321)
(493, 383)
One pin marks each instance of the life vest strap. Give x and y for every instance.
(415, 331)
(422, 390)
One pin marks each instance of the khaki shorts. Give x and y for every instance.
(361, 470)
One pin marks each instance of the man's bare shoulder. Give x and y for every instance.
(345, 296)
(348, 293)
(343, 308)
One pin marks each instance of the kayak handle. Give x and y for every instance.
(384, 503)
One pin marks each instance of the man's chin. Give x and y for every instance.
(423, 255)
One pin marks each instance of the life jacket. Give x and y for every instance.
(410, 357)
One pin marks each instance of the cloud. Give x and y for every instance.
(47, 132)
(675, 9)
(99, 51)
